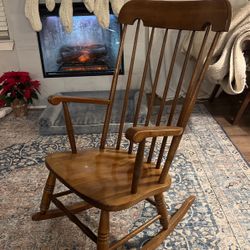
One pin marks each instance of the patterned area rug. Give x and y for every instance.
(206, 165)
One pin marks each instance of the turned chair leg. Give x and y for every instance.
(103, 232)
(162, 210)
(47, 193)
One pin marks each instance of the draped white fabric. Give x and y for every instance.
(229, 68)
(229, 61)
(209, 82)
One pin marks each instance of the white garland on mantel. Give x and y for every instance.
(99, 7)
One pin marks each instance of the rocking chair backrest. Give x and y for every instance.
(204, 15)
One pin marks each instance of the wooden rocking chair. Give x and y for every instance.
(116, 179)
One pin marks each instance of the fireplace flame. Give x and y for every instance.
(84, 58)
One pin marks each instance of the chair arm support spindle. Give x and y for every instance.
(138, 166)
(57, 99)
(69, 127)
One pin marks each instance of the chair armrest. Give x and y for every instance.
(138, 134)
(56, 99)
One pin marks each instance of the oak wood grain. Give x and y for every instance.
(56, 99)
(138, 134)
(104, 178)
(47, 193)
(182, 15)
(103, 231)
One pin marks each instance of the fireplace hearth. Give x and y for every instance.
(87, 50)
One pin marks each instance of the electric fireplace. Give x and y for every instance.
(87, 50)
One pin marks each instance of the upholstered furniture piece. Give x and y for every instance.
(114, 179)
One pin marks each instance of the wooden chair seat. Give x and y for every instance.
(106, 180)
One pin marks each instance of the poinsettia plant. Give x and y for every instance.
(17, 85)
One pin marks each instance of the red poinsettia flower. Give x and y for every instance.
(35, 84)
(10, 81)
(4, 77)
(24, 77)
(27, 94)
(17, 85)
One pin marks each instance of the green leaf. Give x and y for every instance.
(34, 95)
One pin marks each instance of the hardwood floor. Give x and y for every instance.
(224, 110)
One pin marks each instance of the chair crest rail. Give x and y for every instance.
(182, 15)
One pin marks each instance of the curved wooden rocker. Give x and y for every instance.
(113, 179)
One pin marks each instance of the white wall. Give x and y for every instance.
(8, 59)
(26, 57)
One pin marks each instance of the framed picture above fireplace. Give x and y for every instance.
(88, 50)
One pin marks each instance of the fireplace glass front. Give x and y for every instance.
(87, 50)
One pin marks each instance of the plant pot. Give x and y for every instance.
(20, 108)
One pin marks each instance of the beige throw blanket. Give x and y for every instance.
(99, 7)
(229, 61)
(230, 68)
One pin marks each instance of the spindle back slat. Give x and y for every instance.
(142, 85)
(187, 109)
(164, 96)
(113, 89)
(181, 79)
(154, 19)
(126, 96)
(169, 77)
(174, 104)
(157, 75)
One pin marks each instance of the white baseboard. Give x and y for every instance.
(37, 107)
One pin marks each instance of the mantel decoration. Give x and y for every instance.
(18, 90)
(99, 7)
